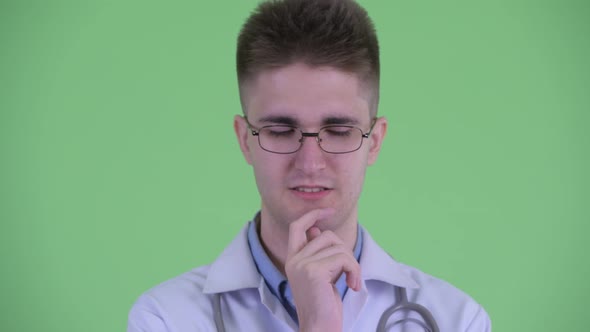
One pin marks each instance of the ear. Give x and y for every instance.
(376, 139)
(242, 134)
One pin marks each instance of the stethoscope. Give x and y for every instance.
(428, 323)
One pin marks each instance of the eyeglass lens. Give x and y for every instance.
(332, 139)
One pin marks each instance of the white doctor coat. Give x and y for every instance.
(184, 304)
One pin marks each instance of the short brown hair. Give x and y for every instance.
(334, 33)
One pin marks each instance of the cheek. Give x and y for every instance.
(351, 173)
(269, 172)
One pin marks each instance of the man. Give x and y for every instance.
(308, 73)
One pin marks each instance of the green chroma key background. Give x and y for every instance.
(119, 166)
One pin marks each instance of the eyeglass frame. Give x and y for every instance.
(256, 132)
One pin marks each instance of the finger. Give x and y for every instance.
(338, 263)
(325, 240)
(298, 229)
(322, 254)
(313, 263)
(334, 260)
(354, 280)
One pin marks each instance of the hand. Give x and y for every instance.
(315, 261)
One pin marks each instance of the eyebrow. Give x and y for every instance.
(339, 120)
(291, 121)
(279, 119)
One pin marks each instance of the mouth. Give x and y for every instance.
(310, 189)
(311, 192)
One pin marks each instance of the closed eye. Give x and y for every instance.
(338, 131)
(279, 131)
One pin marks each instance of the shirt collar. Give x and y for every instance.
(272, 276)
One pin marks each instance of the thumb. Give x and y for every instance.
(313, 232)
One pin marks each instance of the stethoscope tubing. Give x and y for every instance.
(429, 323)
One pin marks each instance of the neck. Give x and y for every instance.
(274, 236)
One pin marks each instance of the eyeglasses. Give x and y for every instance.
(285, 139)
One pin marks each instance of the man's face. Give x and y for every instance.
(309, 98)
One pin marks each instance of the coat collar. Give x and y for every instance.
(377, 264)
(235, 269)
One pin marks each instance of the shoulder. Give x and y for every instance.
(189, 282)
(451, 307)
(173, 304)
(449, 304)
(185, 303)
(431, 284)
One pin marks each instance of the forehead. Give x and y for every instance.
(306, 95)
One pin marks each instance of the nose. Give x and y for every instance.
(310, 157)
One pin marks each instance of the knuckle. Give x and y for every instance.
(301, 266)
(296, 266)
(310, 270)
(328, 233)
(291, 266)
(346, 256)
(342, 255)
(332, 236)
(292, 226)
